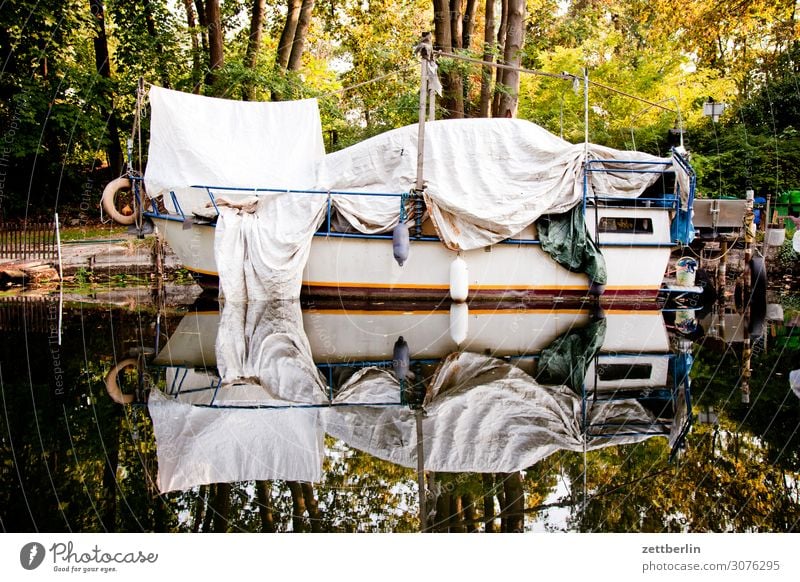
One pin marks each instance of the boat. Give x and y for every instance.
(248, 390)
(471, 209)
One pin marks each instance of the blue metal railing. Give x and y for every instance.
(682, 229)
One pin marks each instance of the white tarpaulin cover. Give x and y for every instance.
(486, 180)
(197, 140)
(482, 415)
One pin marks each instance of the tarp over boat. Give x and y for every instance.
(485, 179)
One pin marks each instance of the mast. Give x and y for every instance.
(425, 50)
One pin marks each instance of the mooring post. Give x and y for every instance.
(423, 510)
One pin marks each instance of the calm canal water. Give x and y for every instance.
(282, 417)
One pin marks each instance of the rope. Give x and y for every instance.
(618, 91)
(564, 76)
(363, 83)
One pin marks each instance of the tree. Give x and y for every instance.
(488, 56)
(451, 26)
(215, 42)
(508, 80)
(103, 65)
(254, 41)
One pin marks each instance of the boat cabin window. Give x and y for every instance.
(612, 372)
(625, 225)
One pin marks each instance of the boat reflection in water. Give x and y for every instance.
(251, 391)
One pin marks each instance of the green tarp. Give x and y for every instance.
(564, 237)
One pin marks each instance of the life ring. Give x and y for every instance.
(112, 387)
(108, 199)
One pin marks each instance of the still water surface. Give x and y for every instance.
(282, 417)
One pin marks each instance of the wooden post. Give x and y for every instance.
(423, 514)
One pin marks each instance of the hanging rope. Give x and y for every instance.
(368, 82)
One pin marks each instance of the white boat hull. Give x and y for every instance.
(364, 268)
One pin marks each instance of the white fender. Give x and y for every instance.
(459, 279)
(400, 243)
(459, 322)
(109, 195)
(112, 387)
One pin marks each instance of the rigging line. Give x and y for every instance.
(642, 99)
(373, 80)
(564, 76)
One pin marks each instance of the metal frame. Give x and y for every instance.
(670, 202)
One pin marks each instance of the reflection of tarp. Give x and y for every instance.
(565, 238)
(198, 445)
(263, 355)
(219, 434)
(482, 415)
(565, 360)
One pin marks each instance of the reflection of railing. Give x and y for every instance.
(30, 314)
(673, 406)
(175, 389)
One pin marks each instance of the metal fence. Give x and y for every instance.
(28, 241)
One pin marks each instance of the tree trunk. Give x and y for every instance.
(215, 37)
(514, 507)
(108, 512)
(201, 20)
(501, 498)
(199, 509)
(197, 60)
(314, 517)
(470, 516)
(444, 25)
(500, 47)
(287, 36)
(220, 507)
(298, 506)
(512, 55)
(442, 513)
(456, 77)
(150, 24)
(265, 506)
(468, 26)
(103, 67)
(254, 44)
(488, 503)
(488, 55)
(299, 42)
(456, 520)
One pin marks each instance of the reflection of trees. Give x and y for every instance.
(773, 413)
(722, 483)
(74, 462)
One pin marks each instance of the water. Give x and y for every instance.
(540, 420)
